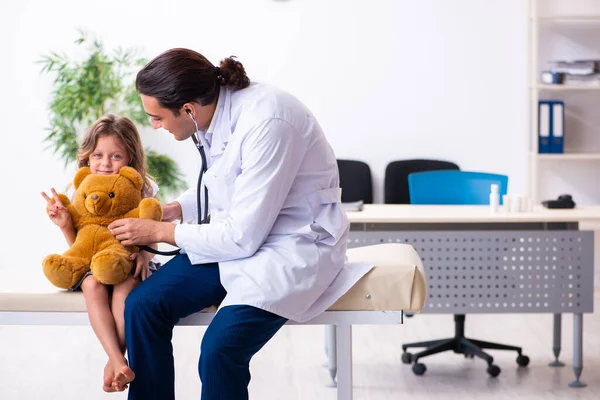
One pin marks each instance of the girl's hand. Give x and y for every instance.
(171, 212)
(57, 212)
(142, 260)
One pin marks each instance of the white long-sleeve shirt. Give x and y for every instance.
(277, 229)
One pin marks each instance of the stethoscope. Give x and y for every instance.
(203, 218)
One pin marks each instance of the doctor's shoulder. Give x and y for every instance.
(262, 102)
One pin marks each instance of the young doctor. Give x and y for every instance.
(274, 245)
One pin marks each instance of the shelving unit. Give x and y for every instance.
(565, 30)
(565, 87)
(568, 18)
(568, 156)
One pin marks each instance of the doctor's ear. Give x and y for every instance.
(188, 109)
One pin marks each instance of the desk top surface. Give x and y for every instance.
(401, 213)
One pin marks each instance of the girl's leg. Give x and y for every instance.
(120, 292)
(103, 324)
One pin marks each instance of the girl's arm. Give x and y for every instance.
(57, 209)
(142, 262)
(69, 233)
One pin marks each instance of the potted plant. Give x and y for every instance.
(85, 90)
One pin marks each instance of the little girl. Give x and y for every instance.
(110, 143)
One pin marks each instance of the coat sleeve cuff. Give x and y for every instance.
(189, 208)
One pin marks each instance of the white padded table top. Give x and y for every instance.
(397, 282)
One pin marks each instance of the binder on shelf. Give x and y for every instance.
(557, 131)
(544, 121)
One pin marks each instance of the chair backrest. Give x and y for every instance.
(454, 187)
(396, 177)
(355, 181)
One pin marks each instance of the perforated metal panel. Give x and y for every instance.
(500, 271)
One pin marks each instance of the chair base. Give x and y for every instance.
(461, 345)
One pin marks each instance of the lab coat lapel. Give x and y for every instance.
(222, 131)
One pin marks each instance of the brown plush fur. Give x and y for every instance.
(100, 200)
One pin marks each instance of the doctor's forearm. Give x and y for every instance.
(165, 233)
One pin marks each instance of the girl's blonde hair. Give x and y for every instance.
(123, 129)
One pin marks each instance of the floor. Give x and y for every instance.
(40, 362)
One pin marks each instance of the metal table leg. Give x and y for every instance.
(577, 350)
(344, 353)
(331, 348)
(557, 341)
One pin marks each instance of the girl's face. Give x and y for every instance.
(108, 156)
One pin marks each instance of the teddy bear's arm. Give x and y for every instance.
(150, 208)
(71, 208)
(64, 199)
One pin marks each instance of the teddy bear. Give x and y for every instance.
(100, 200)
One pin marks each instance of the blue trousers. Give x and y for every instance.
(175, 291)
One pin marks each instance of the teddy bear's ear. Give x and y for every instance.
(80, 176)
(133, 176)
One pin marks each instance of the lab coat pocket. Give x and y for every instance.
(329, 219)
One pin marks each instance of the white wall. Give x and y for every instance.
(388, 79)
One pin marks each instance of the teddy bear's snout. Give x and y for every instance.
(98, 204)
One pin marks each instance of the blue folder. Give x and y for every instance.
(557, 131)
(544, 126)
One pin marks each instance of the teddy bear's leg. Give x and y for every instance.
(66, 270)
(111, 265)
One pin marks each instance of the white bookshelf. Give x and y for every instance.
(567, 18)
(566, 87)
(565, 30)
(568, 157)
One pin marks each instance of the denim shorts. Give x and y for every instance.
(152, 268)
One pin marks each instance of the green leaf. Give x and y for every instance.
(165, 171)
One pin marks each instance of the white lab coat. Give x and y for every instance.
(277, 229)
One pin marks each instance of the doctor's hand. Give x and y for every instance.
(171, 212)
(134, 231)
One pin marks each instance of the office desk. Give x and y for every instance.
(479, 262)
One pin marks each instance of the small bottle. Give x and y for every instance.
(494, 198)
(506, 200)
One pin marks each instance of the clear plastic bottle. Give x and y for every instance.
(494, 198)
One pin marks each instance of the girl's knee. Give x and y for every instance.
(90, 286)
(126, 286)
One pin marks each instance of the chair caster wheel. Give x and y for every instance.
(523, 361)
(493, 370)
(419, 369)
(471, 356)
(406, 358)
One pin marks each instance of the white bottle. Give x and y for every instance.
(494, 199)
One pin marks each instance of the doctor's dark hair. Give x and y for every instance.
(180, 76)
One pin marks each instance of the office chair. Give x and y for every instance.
(456, 187)
(396, 190)
(355, 181)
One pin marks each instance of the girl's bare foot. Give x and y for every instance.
(109, 376)
(123, 376)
